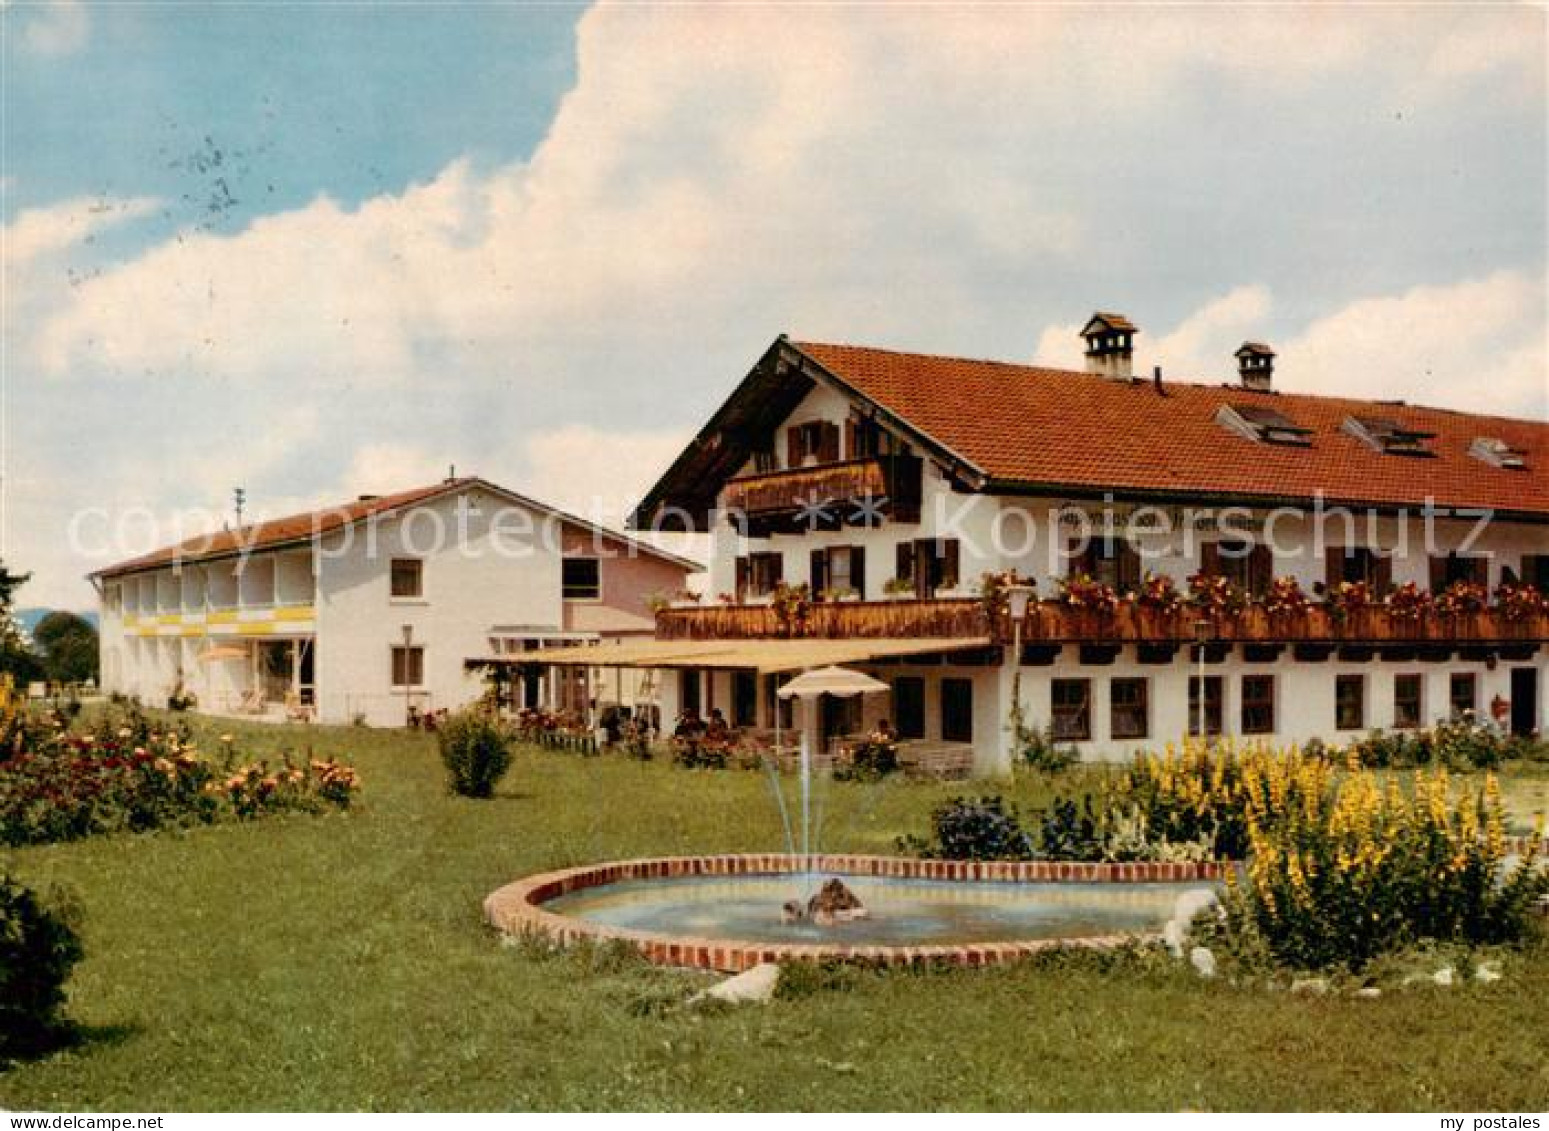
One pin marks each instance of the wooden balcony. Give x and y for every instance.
(1053, 622)
(828, 620)
(851, 492)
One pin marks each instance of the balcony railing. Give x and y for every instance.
(855, 491)
(831, 620)
(1054, 622)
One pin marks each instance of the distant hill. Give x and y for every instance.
(29, 618)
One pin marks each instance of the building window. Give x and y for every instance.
(1213, 695)
(1113, 561)
(688, 690)
(1070, 707)
(1258, 704)
(909, 706)
(408, 666)
(1128, 708)
(814, 442)
(839, 570)
(1356, 564)
(581, 579)
(1407, 700)
(929, 564)
(957, 710)
(1463, 693)
(744, 699)
(408, 577)
(1247, 565)
(1449, 569)
(765, 571)
(1350, 702)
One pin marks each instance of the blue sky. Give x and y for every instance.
(324, 249)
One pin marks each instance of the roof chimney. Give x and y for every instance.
(1255, 366)
(1110, 345)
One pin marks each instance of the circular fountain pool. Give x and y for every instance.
(724, 912)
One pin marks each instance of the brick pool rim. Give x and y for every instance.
(518, 908)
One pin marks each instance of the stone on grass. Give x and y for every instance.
(1444, 976)
(1186, 908)
(1369, 991)
(1203, 961)
(1488, 972)
(1310, 986)
(755, 984)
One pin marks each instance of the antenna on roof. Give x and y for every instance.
(240, 496)
(451, 472)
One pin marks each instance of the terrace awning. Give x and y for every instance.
(746, 655)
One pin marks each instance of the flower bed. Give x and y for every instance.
(129, 774)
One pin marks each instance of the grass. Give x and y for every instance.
(340, 962)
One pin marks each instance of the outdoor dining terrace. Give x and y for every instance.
(1057, 622)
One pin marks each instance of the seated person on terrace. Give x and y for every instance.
(884, 732)
(690, 725)
(718, 730)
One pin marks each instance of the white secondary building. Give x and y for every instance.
(887, 484)
(361, 611)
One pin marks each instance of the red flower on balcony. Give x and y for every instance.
(1462, 598)
(1211, 593)
(1521, 601)
(1409, 604)
(1158, 593)
(1083, 592)
(1286, 598)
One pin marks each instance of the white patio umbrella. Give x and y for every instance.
(807, 687)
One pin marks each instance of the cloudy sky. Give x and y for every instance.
(318, 250)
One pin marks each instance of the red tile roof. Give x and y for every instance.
(300, 528)
(1028, 426)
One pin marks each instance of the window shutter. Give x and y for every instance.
(819, 572)
(828, 443)
(1382, 572)
(951, 561)
(1261, 570)
(1128, 565)
(793, 446)
(852, 446)
(1333, 565)
(742, 580)
(858, 570)
(1438, 572)
(1210, 558)
(903, 561)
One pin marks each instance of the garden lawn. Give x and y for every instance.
(341, 962)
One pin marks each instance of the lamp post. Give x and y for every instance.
(408, 643)
(1202, 631)
(1018, 597)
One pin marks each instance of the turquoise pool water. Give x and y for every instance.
(903, 912)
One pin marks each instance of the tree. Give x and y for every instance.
(16, 656)
(69, 647)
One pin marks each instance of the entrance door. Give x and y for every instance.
(957, 710)
(1524, 700)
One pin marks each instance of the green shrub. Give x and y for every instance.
(871, 759)
(1362, 870)
(476, 751)
(38, 947)
(973, 829)
(1037, 750)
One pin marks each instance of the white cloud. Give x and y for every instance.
(925, 177)
(57, 27)
(1477, 345)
